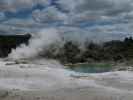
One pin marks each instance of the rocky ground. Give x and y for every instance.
(48, 80)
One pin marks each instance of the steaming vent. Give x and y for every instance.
(9, 42)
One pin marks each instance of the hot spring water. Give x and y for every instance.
(91, 68)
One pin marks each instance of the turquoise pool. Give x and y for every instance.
(91, 68)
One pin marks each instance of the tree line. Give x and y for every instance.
(72, 52)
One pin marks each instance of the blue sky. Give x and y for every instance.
(95, 19)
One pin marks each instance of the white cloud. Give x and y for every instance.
(97, 33)
(80, 11)
(83, 5)
(13, 5)
(51, 14)
(111, 18)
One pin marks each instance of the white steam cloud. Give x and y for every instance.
(37, 44)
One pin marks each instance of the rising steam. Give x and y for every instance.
(37, 44)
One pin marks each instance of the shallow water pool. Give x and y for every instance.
(91, 68)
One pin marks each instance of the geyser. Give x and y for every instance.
(38, 43)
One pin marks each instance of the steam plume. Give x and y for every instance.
(37, 44)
